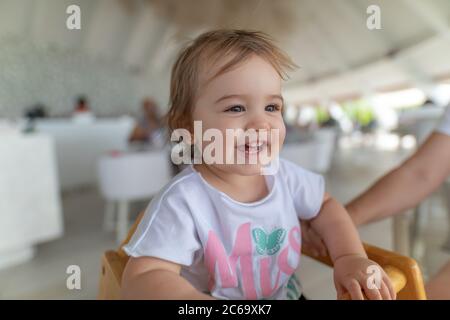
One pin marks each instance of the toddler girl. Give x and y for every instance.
(227, 226)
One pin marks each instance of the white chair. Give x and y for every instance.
(315, 155)
(126, 177)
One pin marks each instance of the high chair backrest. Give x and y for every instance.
(404, 272)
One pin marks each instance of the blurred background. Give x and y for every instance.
(83, 147)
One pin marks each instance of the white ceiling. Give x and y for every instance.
(328, 39)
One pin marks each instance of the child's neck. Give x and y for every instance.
(239, 187)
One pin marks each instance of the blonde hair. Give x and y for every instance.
(214, 45)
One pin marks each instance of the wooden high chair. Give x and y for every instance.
(403, 271)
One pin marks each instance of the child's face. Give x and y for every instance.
(246, 97)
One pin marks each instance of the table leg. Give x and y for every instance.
(109, 216)
(122, 221)
(446, 245)
(401, 234)
(419, 221)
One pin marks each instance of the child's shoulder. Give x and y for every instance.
(287, 167)
(184, 186)
(289, 170)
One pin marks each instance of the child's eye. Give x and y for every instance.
(272, 107)
(235, 109)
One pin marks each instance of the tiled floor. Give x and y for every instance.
(353, 170)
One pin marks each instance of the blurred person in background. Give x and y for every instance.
(82, 111)
(149, 128)
(81, 105)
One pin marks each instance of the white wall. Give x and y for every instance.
(42, 61)
(54, 76)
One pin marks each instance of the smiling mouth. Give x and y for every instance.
(252, 147)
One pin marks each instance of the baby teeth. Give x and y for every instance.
(251, 148)
(255, 144)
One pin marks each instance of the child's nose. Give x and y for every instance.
(258, 124)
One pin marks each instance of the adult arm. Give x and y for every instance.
(407, 185)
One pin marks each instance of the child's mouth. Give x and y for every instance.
(252, 147)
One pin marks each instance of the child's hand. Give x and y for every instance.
(355, 274)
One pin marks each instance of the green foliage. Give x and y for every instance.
(359, 111)
(322, 115)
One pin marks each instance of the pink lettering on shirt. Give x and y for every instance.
(243, 252)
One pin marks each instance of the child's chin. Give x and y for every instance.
(248, 169)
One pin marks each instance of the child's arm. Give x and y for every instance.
(350, 261)
(157, 279)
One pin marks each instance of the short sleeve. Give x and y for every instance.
(444, 124)
(306, 187)
(167, 231)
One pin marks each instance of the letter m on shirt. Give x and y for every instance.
(215, 254)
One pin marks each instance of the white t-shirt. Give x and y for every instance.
(444, 125)
(230, 249)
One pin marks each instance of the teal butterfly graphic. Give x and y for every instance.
(268, 244)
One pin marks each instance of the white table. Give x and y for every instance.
(420, 122)
(80, 144)
(30, 204)
(315, 154)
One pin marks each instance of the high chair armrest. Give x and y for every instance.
(403, 271)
